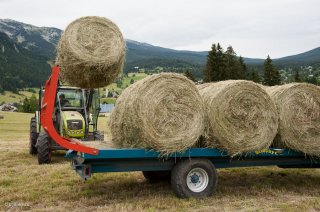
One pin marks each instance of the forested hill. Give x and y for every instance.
(20, 67)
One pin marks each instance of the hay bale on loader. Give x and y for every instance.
(163, 112)
(241, 116)
(91, 52)
(298, 106)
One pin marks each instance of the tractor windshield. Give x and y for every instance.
(70, 98)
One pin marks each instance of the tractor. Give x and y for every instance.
(75, 117)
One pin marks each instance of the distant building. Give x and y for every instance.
(106, 108)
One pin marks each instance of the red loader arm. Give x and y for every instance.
(47, 110)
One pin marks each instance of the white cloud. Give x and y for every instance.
(254, 28)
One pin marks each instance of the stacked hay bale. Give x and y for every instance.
(241, 116)
(163, 112)
(298, 106)
(91, 52)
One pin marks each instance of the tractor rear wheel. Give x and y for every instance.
(98, 136)
(43, 147)
(33, 136)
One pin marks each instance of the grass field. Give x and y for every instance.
(24, 185)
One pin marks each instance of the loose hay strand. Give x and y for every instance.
(298, 106)
(241, 116)
(91, 52)
(163, 112)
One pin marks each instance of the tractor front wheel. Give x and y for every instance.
(43, 147)
(33, 136)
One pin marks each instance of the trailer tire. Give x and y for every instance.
(43, 147)
(194, 178)
(33, 136)
(98, 136)
(157, 176)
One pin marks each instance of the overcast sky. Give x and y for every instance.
(255, 28)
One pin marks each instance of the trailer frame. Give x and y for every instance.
(127, 160)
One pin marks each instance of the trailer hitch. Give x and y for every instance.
(47, 110)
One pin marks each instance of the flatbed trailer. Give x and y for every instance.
(192, 173)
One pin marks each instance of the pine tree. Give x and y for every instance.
(297, 76)
(243, 69)
(188, 74)
(271, 74)
(254, 76)
(210, 72)
(220, 65)
(232, 67)
(312, 80)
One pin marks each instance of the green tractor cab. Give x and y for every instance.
(76, 113)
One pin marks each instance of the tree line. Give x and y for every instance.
(226, 65)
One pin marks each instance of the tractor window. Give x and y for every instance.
(70, 98)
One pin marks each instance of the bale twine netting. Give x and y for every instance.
(91, 52)
(241, 116)
(163, 112)
(298, 106)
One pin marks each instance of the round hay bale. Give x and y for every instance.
(298, 106)
(163, 112)
(241, 116)
(91, 52)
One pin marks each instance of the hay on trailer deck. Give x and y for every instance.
(91, 52)
(241, 116)
(163, 112)
(298, 106)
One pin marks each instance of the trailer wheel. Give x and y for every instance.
(43, 147)
(194, 178)
(157, 176)
(98, 136)
(33, 136)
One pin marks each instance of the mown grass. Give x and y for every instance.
(24, 185)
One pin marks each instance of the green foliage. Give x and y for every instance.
(188, 74)
(254, 76)
(243, 70)
(213, 66)
(313, 80)
(31, 90)
(271, 74)
(20, 67)
(131, 81)
(119, 83)
(224, 65)
(297, 77)
(232, 70)
(108, 100)
(30, 105)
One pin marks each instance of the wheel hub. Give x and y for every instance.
(197, 180)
